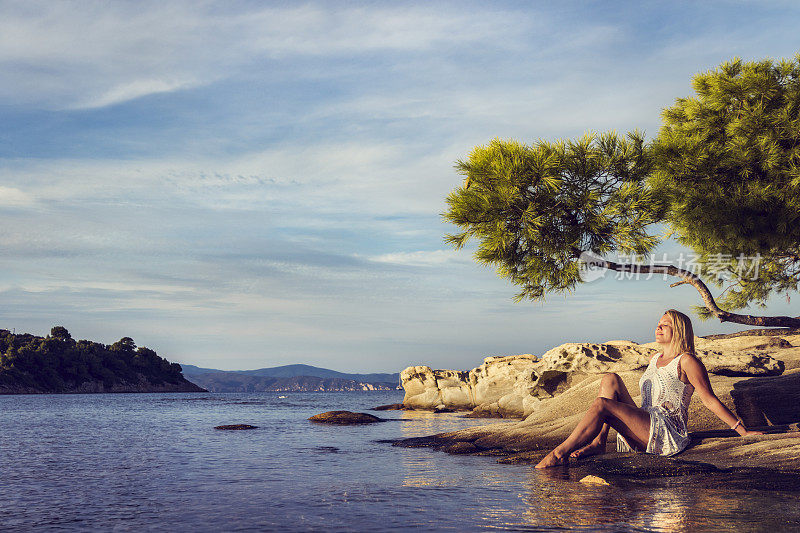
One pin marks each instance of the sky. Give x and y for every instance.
(241, 185)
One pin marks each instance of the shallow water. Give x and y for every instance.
(153, 462)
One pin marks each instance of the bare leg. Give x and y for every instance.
(613, 388)
(630, 421)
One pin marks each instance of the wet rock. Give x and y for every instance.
(478, 412)
(636, 465)
(391, 407)
(763, 479)
(493, 452)
(594, 480)
(326, 449)
(236, 427)
(644, 466)
(344, 418)
(461, 448)
(432, 441)
(524, 458)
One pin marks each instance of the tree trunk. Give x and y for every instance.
(695, 281)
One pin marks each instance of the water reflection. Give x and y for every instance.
(556, 499)
(561, 502)
(570, 504)
(424, 468)
(550, 499)
(426, 423)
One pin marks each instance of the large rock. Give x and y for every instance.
(749, 363)
(428, 389)
(501, 386)
(516, 386)
(613, 356)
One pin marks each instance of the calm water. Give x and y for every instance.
(154, 462)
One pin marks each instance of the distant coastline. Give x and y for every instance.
(58, 364)
(288, 378)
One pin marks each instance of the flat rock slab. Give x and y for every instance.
(644, 466)
(461, 448)
(236, 426)
(628, 465)
(432, 441)
(345, 418)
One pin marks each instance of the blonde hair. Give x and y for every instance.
(682, 332)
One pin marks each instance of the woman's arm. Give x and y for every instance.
(698, 376)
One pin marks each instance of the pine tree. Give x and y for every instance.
(537, 210)
(722, 174)
(729, 164)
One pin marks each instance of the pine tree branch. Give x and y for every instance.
(705, 294)
(678, 283)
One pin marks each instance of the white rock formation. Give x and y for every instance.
(516, 386)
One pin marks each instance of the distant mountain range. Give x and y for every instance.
(287, 378)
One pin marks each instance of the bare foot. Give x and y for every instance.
(593, 448)
(552, 459)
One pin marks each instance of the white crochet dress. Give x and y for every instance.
(667, 399)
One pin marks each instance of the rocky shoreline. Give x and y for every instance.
(757, 376)
(98, 387)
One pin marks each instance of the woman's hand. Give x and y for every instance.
(748, 432)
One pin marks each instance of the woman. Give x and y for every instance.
(659, 426)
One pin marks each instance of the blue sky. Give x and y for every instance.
(248, 184)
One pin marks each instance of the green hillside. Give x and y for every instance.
(58, 363)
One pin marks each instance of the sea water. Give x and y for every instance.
(154, 462)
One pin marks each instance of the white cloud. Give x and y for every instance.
(422, 258)
(131, 90)
(77, 54)
(317, 30)
(356, 178)
(13, 197)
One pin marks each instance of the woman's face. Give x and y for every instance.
(664, 330)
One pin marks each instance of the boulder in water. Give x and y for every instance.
(344, 418)
(236, 426)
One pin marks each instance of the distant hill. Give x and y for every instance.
(287, 378)
(59, 364)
